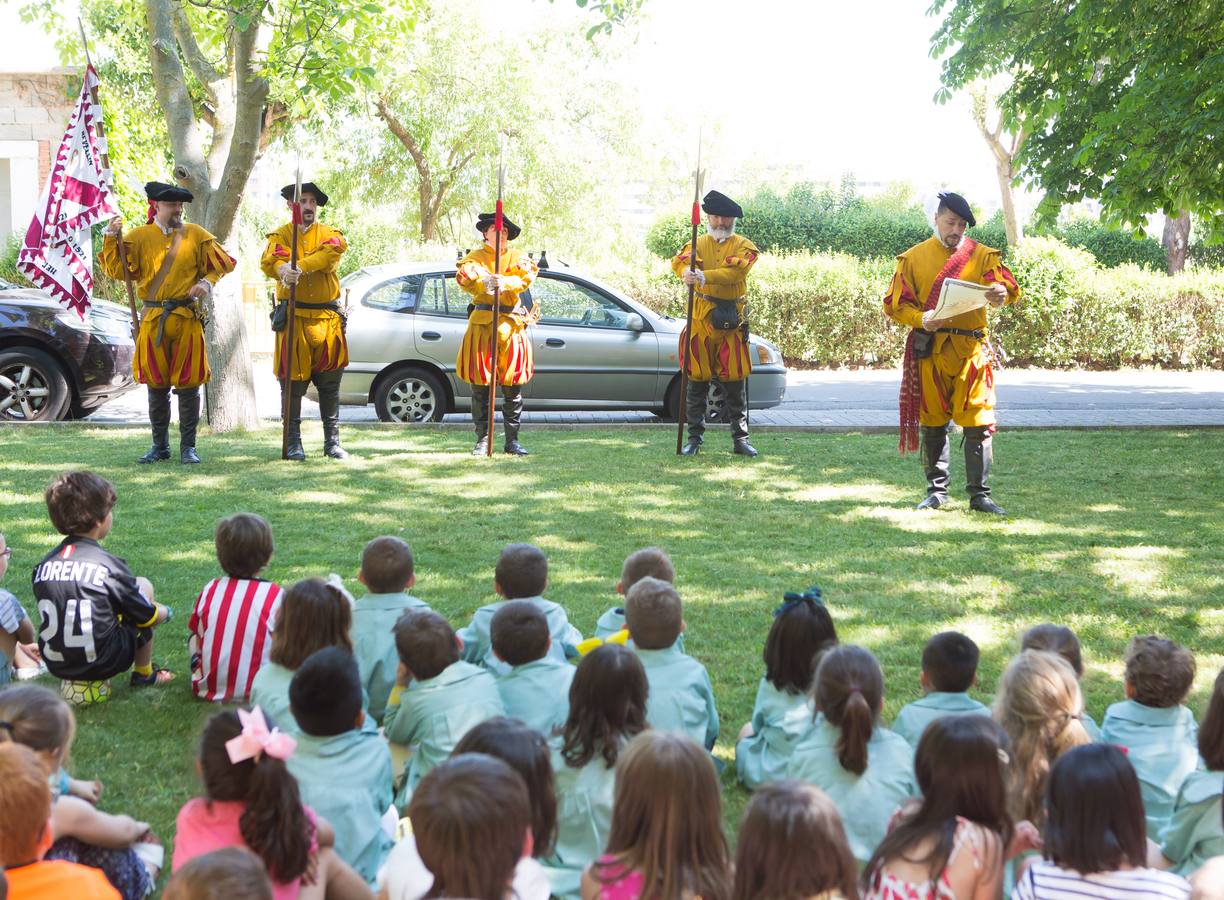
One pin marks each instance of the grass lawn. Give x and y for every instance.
(1111, 533)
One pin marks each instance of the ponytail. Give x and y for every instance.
(273, 823)
(849, 689)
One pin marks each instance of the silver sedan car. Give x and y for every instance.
(595, 349)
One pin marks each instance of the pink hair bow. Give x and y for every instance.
(256, 739)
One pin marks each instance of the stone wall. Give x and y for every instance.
(34, 106)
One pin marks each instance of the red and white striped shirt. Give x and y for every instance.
(231, 630)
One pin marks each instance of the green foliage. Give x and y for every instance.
(8, 260)
(826, 309)
(1114, 247)
(1124, 101)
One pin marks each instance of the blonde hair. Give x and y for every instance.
(1040, 706)
(23, 792)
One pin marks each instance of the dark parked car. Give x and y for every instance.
(56, 365)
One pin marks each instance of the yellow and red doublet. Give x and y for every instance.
(318, 334)
(715, 352)
(956, 382)
(515, 362)
(179, 359)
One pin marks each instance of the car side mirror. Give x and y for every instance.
(635, 322)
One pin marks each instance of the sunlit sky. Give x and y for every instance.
(802, 89)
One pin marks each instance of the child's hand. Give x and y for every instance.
(90, 791)
(1025, 838)
(31, 650)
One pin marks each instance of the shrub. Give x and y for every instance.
(1112, 247)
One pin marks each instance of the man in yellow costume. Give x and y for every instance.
(174, 265)
(319, 352)
(718, 347)
(948, 374)
(478, 275)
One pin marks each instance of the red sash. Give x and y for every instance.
(911, 382)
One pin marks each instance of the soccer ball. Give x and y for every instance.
(83, 693)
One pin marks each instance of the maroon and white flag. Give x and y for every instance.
(57, 254)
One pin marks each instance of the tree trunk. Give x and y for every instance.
(1006, 174)
(1176, 240)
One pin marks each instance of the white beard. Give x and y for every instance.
(721, 234)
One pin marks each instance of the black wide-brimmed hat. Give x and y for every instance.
(159, 190)
(308, 187)
(486, 220)
(717, 204)
(958, 205)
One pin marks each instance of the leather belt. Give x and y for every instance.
(964, 332)
(488, 307)
(167, 306)
(333, 305)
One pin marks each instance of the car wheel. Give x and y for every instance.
(33, 386)
(410, 395)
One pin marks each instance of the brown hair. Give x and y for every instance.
(1095, 820)
(1211, 731)
(78, 501)
(607, 706)
(1160, 671)
(23, 792)
(526, 751)
(522, 571)
(1056, 639)
(244, 544)
(801, 631)
(470, 807)
(37, 717)
(649, 561)
(959, 765)
(519, 633)
(1040, 707)
(849, 690)
(667, 820)
(313, 615)
(792, 845)
(425, 643)
(654, 614)
(232, 873)
(273, 822)
(950, 660)
(387, 564)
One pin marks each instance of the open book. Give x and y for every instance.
(957, 297)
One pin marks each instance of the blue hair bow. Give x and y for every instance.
(791, 599)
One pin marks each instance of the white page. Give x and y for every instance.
(957, 297)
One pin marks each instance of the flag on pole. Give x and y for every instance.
(57, 254)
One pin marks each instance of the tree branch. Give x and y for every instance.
(204, 71)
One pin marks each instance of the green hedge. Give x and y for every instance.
(825, 309)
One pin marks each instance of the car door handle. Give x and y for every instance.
(555, 342)
(431, 336)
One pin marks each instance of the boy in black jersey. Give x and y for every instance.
(97, 619)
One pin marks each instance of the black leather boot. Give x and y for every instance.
(737, 412)
(293, 447)
(328, 384)
(189, 418)
(512, 416)
(978, 457)
(935, 463)
(694, 415)
(159, 418)
(480, 419)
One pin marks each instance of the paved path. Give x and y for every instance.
(857, 400)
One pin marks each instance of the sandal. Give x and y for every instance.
(156, 678)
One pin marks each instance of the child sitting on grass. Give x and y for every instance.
(681, 696)
(343, 772)
(865, 769)
(17, 648)
(123, 848)
(783, 713)
(97, 618)
(521, 574)
(388, 571)
(437, 698)
(250, 800)
(231, 623)
(1158, 732)
(949, 669)
(233, 873)
(1061, 640)
(312, 615)
(649, 561)
(536, 689)
(667, 839)
(26, 834)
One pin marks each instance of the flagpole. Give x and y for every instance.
(93, 96)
